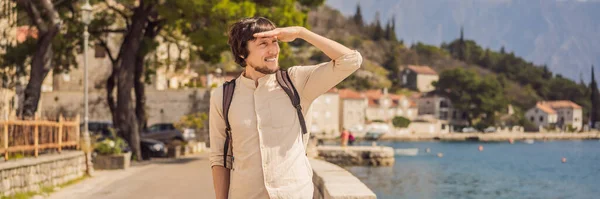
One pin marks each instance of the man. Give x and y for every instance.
(268, 154)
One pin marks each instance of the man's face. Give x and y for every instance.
(263, 55)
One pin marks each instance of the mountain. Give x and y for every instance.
(564, 35)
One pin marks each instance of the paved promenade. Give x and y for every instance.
(188, 177)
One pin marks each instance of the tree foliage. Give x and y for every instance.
(400, 122)
(480, 97)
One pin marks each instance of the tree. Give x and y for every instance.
(44, 17)
(392, 35)
(378, 33)
(595, 100)
(358, 18)
(400, 122)
(480, 98)
(201, 24)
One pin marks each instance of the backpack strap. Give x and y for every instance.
(228, 89)
(285, 82)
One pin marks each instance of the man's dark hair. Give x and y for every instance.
(243, 31)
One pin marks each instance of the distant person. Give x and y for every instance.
(345, 137)
(351, 138)
(258, 135)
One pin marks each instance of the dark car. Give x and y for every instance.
(152, 148)
(167, 133)
(101, 130)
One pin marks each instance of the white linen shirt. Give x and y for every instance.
(269, 153)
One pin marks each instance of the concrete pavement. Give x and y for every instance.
(188, 177)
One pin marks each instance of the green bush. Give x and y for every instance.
(400, 122)
(109, 146)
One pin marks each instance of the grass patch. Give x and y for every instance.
(44, 190)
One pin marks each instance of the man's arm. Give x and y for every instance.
(312, 81)
(217, 135)
(331, 48)
(221, 181)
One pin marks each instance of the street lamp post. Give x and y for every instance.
(86, 18)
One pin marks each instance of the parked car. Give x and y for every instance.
(101, 130)
(490, 129)
(98, 128)
(166, 132)
(469, 130)
(152, 148)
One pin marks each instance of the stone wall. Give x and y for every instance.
(161, 106)
(30, 174)
(357, 155)
(333, 182)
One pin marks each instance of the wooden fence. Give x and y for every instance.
(35, 135)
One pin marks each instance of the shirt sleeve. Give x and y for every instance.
(216, 128)
(318, 79)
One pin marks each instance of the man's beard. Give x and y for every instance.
(265, 69)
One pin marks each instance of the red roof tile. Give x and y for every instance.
(561, 104)
(425, 70)
(350, 94)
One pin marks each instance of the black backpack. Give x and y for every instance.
(286, 84)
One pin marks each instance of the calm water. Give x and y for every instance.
(501, 170)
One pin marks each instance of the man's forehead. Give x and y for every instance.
(259, 39)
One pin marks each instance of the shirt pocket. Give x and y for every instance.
(283, 113)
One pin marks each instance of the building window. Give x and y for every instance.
(531, 118)
(99, 51)
(576, 119)
(327, 114)
(444, 115)
(541, 119)
(427, 102)
(453, 114)
(464, 115)
(443, 104)
(409, 112)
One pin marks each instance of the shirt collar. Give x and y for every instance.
(250, 83)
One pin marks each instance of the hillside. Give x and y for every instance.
(523, 82)
(560, 33)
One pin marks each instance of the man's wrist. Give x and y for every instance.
(303, 33)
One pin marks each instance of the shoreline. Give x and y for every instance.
(493, 137)
(486, 137)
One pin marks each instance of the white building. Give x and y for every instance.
(419, 78)
(436, 104)
(384, 106)
(560, 114)
(353, 110)
(325, 112)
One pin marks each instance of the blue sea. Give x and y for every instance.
(501, 170)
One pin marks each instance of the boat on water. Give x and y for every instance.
(407, 152)
(529, 141)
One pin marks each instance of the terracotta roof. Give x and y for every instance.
(545, 108)
(561, 104)
(425, 70)
(333, 90)
(375, 95)
(350, 94)
(26, 31)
